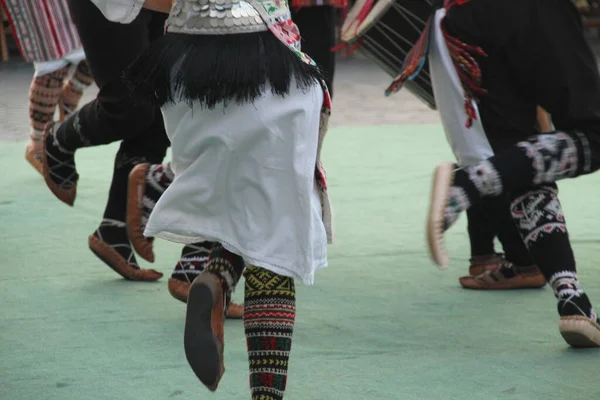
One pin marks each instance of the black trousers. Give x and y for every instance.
(317, 29)
(492, 219)
(536, 54)
(113, 116)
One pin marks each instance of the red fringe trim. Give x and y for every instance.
(462, 55)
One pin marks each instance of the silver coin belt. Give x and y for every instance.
(214, 17)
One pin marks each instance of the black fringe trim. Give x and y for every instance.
(211, 69)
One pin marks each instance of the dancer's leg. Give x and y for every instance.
(113, 115)
(193, 261)
(208, 297)
(73, 90)
(317, 28)
(512, 270)
(269, 315)
(554, 59)
(481, 240)
(44, 95)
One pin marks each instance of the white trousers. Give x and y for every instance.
(469, 145)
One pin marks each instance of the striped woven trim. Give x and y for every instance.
(43, 28)
(415, 60)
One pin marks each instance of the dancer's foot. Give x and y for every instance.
(445, 207)
(58, 166)
(33, 152)
(110, 243)
(146, 184)
(579, 324)
(192, 262)
(480, 264)
(503, 276)
(203, 336)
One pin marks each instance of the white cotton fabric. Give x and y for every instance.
(470, 145)
(121, 11)
(245, 177)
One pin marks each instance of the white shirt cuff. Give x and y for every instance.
(120, 11)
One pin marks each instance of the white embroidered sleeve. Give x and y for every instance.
(121, 11)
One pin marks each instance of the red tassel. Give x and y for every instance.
(466, 66)
(470, 110)
(347, 47)
(448, 4)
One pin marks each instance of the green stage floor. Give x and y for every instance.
(380, 323)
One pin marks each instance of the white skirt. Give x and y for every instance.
(245, 177)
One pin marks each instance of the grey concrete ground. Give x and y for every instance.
(359, 98)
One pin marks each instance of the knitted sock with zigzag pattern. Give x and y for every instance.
(269, 314)
(73, 90)
(44, 95)
(228, 267)
(192, 262)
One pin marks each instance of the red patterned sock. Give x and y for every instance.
(269, 314)
(73, 90)
(44, 95)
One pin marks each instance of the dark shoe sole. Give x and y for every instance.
(201, 347)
